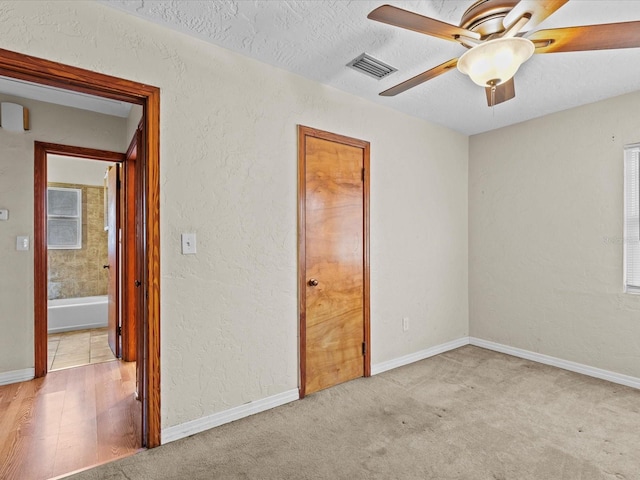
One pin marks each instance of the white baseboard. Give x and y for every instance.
(186, 429)
(417, 356)
(614, 377)
(210, 421)
(201, 424)
(16, 376)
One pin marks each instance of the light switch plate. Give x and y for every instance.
(4, 214)
(22, 243)
(188, 243)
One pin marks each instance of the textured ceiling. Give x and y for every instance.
(316, 39)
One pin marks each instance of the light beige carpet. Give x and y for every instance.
(466, 414)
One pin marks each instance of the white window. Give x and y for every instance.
(632, 218)
(64, 218)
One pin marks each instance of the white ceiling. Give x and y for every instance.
(68, 98)
(316, 39)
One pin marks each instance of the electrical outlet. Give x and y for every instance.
(405, 324)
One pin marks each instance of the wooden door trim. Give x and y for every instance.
(303, 133)
(41, 150)
(114, 183)
(33, 69)
(128, 219)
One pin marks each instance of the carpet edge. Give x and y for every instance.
(201, 424)
(600, 373)
(419, 355)
(192, 427)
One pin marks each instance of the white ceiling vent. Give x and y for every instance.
(371, 66)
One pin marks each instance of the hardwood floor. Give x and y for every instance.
(68, 420)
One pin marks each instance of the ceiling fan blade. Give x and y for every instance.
(503, 92)
(412, 21)
(537, 9)
(418, 79)
(588, 37)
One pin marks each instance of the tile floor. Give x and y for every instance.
(79, 347)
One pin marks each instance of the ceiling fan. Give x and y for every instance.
(499, 36)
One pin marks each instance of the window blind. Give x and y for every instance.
(632, 218)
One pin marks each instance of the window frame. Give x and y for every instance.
(77, 220)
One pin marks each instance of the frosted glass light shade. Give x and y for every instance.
(495, 61)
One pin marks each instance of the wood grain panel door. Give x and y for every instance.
(129, 307)
(113, 248)
(334, 277)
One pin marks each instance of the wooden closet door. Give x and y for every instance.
(335, 280)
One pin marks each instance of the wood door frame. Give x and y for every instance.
(129, 262)
(304, 132)
(40, 251)
(115, 286)
(46, 72)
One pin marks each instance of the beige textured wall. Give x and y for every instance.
(228, 173)
(49, 123)
(77, 273)
(133, 121)
(545, 227)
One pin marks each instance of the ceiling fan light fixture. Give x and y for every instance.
(495, 61)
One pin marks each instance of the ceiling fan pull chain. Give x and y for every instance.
(493, 100)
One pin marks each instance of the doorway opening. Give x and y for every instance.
(147, 240)
(79, 274)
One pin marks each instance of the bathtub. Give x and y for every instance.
(66, 314)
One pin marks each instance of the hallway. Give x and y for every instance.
(68, 420)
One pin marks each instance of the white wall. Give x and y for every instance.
(546, 227)
(54, 124)
(228, 173)
(80, 171)
(133, 121)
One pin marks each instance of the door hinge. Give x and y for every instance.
(364, 348)
(119, 330)
(118, 184)
(363, 174)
